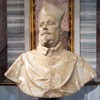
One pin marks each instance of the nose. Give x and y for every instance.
(45, 27)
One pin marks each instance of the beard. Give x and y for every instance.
(46, 40)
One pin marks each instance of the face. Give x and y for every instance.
(49, 31)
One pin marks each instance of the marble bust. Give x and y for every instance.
(50, 71)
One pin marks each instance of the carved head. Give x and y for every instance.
(50, 18)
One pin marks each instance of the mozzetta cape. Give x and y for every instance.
(50, 73)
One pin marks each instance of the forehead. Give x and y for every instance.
(47, 17)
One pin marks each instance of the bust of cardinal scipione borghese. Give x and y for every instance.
(50, 71)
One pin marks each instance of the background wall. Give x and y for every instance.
(15, 29)
(15, 19)
(88, 31)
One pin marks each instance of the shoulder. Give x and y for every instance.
(72, 56)
(69, 54)
(27, 54)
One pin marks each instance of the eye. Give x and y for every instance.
(51, 22)
(41, 24)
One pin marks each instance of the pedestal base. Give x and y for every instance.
(49, 99)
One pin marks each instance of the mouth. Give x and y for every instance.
(44, 32)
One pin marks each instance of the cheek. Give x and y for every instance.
(53, 29)
(40, 28)
(56, 31)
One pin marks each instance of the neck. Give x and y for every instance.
(50, 51)
(50, 44)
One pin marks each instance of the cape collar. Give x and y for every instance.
(50, 51)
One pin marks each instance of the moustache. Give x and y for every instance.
(44, 32)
